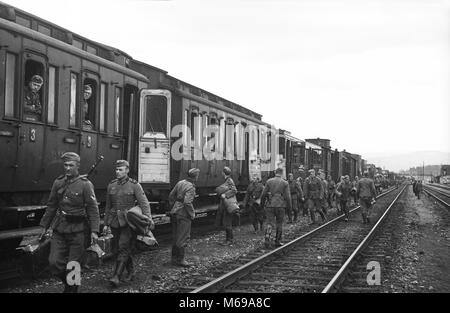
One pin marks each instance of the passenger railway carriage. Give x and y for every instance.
(136, 112)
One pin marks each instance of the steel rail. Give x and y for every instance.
(340, 275)
(436, 197)
(229, 278)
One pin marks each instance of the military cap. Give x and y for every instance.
(227, 170)
(87, 88)
(37, 79)
(279, 171)
(311, 171)
(193, 172)
(122, 163)
(290, 175)
(70, 156)
(301, 168)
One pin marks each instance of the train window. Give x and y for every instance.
(117, 110)
(23, 21)
(44, 30)
(205, 126)
(103, 97)
(33, 92)
(155, 116)
(91, 49)
(77, 43)
(10, 84)
(213, 122)
(194, 115)
(73, 100)
(51, 94)
(186, 127)
(88, 103)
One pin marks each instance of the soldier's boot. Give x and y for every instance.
(130, 270)
(323, 216)
(313, 217)
(111, 275)
(278, 242)
(115, 281)
(181, 261)
(295, 216)
(230, 236)
(63, 277)
(175, 256)
(364, 218)
(255, 227)
(267, 237)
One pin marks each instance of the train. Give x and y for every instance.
(136, 112)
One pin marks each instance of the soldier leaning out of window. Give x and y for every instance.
(87, 124)
(32, 103)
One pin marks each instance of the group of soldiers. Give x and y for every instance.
(315, 194)
(72, 221)
(72, 217)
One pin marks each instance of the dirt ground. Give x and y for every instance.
(421, 262)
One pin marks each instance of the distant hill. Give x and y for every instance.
(404, 161)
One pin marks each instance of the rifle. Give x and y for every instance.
(44, 238)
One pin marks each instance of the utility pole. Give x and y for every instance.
(423, 171)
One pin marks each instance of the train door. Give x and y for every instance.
(9, 130)
(254, 159)
(30, 159)
(154, 136)
(130, 129)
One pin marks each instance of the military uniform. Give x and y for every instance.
(32, 107)
(344, 190)
(325, 196)
(313, 189)
(254, 192)
(301, 202)
(366, 192)
(223, 218)
(73, 205)
(296, 196)
(279, 200)
(121, 196)
(181, 215)
(331, 192)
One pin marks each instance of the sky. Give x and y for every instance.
(371, 75)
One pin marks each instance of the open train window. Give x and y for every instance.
(88, 103)
(73, 100)
(103, 106)
(10, 85)
(214, 122)
(52, 90)
(33, 94)
(155, 116)
(117, 110)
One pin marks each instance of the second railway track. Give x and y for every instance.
(309, 263)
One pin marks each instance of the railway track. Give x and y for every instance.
(439, 193)
(317, 261)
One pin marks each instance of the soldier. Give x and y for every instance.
(301, 202)
(323, 201)
(223, 218)
(32, 102)
(279, 198)
(343, 191)
(181, 215)
(353, 192)
(252, 201)
(87, 124)
(121, 195)
(296, 196)
(331, 191)
(418, 189)
(313, 189)
(338, 198)
(366, 192)
(72, 200)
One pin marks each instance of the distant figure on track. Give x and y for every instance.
(223, 218)
(313, 191)
(279, 199)
(343, 191)
(366, 192)
(252, 202)
(417, 188)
